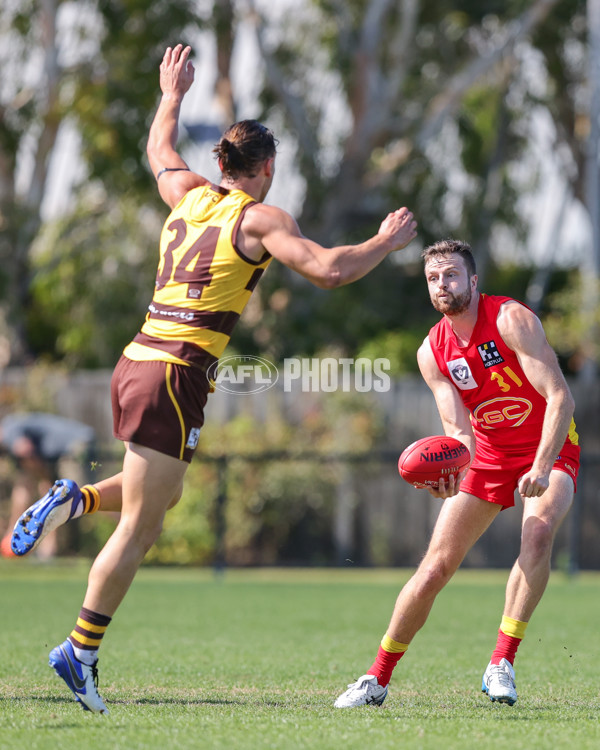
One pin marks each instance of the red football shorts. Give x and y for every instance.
(495, 479)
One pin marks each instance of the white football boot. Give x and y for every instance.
(499, 682)
(366, 691)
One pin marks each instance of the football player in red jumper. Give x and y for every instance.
(498, 388)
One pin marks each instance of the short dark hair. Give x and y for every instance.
(244, 147)
(443, 248)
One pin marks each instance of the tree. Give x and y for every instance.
(96, 76)
(26, 110)
(431, 105)
(386, 103)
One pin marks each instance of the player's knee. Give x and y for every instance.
(140, 533)
(434, 574)
(537, 539)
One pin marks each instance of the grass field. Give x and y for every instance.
(254, 659)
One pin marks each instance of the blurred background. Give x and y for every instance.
(483, 119)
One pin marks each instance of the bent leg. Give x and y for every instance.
(111, 493)
(462, 520)
(150, 481)
(542, 517)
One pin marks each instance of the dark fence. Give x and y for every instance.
(374, 509)
(374, 517)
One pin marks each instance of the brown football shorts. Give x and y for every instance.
(159, 405)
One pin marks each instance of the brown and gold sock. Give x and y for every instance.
(90, 497)
(87, 634)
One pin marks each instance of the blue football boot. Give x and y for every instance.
(56, 507)
(81, 678)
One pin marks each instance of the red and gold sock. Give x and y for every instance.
(88, 632)
(90, 497)
(389, 654)
(510, 635)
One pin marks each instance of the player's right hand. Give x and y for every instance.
(176, 71)
(400, 227)
(447, 487)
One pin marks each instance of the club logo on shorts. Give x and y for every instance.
(489, 354)
(461, 374)
(193, 437)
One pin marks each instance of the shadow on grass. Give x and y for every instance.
(138, 701)
(177, 702)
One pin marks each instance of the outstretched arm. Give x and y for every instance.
(172, 173)
(328, 268)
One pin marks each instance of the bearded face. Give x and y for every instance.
(452, 303)
(450, 286)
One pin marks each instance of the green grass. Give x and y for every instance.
(254, 659)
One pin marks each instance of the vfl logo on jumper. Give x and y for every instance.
(461, 374)
(490, 356)
(243, 374)
(193, 437)
(502, 412)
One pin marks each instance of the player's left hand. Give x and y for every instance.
(176, 71)
(533, 484)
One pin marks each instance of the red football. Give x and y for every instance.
(428, 459)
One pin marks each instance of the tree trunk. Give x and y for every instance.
(590, 271)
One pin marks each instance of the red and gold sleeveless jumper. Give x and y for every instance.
(506, 411)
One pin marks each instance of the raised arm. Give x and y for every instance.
(276, 231)
(522, 331)
(453, 413)
(172, 173)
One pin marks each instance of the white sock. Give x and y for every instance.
(85, 656)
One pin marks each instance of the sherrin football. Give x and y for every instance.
(426, 460)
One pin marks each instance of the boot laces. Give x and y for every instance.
(94, 668)
(502, 676)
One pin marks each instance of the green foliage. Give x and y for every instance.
(115, 95)
(275, 512)
(297, 318)
(568, 323)
(359, 158)
(501, 278)
(109, 96)
(93, 276)
(280, 513)
(399, 346)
